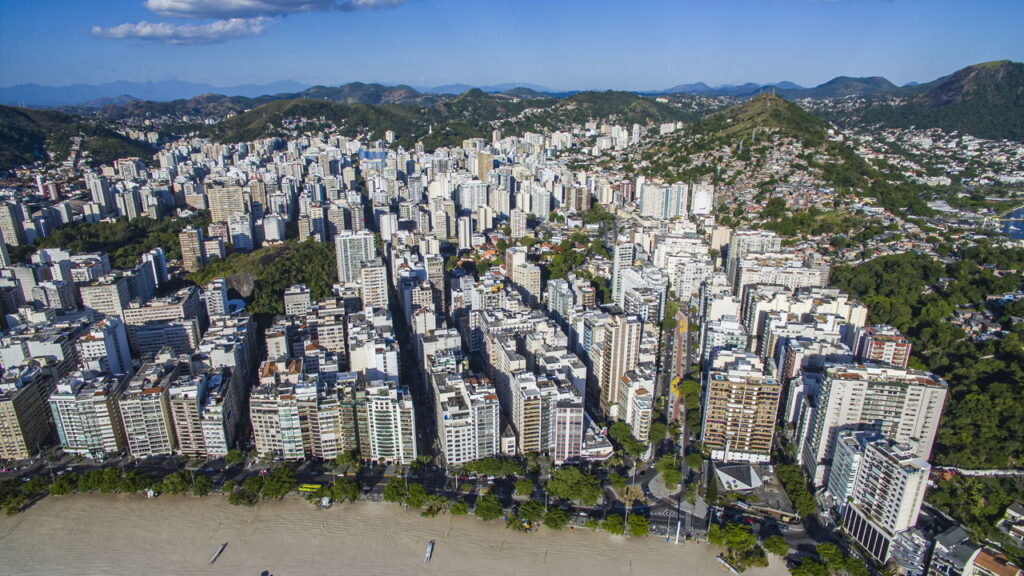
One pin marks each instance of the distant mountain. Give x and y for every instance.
(523, 92)
(449, 120)
(984, 100)
(702, 89)
(27, 135)
(360, 93)
(115, 101)
(76, 94)
(491, 89)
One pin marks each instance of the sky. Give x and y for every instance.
(558, 44)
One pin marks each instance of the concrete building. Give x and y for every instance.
(25, 427)
(903, 405)
(297, 300)
(104, 348)
(193, 253)
(888, 490)
(351, 250)
(84, 409)
(108, 295)
(882, 344)
(741, 401)
(468, 418)
(146, 409)
(391, 424)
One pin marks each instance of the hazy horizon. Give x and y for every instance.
(570, 45)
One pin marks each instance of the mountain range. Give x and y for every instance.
(85, 95)
(985, 100)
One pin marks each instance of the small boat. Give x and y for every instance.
(430, 552)
(217, 553)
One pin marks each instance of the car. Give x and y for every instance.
(209, 470)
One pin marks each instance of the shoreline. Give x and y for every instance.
(125, 534)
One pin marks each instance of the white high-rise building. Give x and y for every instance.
(888, 490)
(351, 250)
(216, 296)
(904, 405)
(104, 348)
(517, 222)
(468, 421)
(622, 257)
(391, 423)
(465, 232)
(240, 229)
(703, 199)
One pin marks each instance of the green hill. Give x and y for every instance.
(448, 121)
(984, 100)
(758, 117)
(27, 135)
(23, 134)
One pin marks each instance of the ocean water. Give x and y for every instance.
(1015, 229)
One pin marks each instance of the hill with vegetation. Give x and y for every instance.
(124, 240)
(263, 275)
(623, 108)
(23, 134)
(753, 126)
(762, 115)
(984, 100)
(446, 122)
(27, 135)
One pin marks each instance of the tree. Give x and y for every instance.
(775, 545)
(571, 483)
(110, 481)
(831, 556)
(792, 479)
(658, 431)
(202, 486)
(488, 507)
(531, 511)
(233, 456)
(694, 461)
(253, 485)
(614, 524)
(228, 487)
(394, 490)
(715, 535)
(808, 567)
(64, 484)
(345, 489)
(524, 487)
(638, 525)
(242, 498)
(174, 483)
(556, 518)
(133, 482)
(278, 483)
(416, 496)
(459, 508)
(618, 481)
(669, 468)
(622, 433)
(738, 537)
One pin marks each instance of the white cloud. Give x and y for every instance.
(212, 33)
(251, 8)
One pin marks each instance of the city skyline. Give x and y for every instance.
(571, 45)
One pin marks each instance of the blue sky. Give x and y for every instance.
(561, 44)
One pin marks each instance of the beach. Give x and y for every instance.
(121, 534)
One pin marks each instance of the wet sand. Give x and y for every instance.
(118, 534)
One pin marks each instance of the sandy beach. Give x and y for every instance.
(118, 534)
